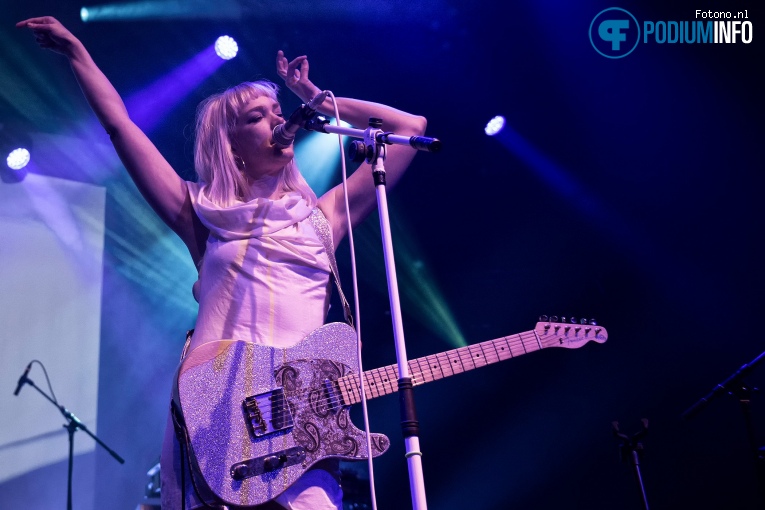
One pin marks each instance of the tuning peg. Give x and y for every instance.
(593, 322)
(543, 318)
(563, 319)
(583, 321)
(554, 318)
(573, 320)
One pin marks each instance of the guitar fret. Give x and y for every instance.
(446, 363)
(376, 382)
(342, 386)
(352, 388)
(505, 352)
(496, 357)
(418, 374)
(516, 346)
(368, 390)
(465, 359)
(539, 343)
(357, 387)
(433, 367)
(454, 361)
(392, 380)
(477, 356)
(532, 342)
(385, 381)
(348, 389)
(490, 352)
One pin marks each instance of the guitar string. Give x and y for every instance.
(430, 373)
(433, 370)
(276, 411)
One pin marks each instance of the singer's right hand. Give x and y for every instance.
(50, 34)
(295, 76)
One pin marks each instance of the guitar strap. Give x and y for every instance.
(182, 436)
(324, 231)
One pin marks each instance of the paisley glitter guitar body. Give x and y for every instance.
(256, 418)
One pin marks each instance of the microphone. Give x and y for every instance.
(22, 379)
(284, 134)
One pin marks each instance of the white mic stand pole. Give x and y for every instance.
(373, 151)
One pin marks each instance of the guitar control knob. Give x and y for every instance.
(272, 462)
(239, 472)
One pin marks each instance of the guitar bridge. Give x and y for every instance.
(267, 413)
(267, 463)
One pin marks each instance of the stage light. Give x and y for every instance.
(18, 158)
(495, 125)
(84, 14)
(226, 47)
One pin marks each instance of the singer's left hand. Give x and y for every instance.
(295, 76)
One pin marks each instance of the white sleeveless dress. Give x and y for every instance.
(264, 278)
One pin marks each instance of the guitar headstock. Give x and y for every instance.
(570, 333)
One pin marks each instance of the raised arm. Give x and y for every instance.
(160, 185)
(361, 192)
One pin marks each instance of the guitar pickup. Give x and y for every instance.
(267, 463)
(267, 413)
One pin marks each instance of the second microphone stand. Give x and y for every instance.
(736, 386)
(72, 425)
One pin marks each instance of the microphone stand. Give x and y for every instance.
(631, 448)
(73, 423)
(372, 150)
(735, 386)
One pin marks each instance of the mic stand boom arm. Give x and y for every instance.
(421, 143)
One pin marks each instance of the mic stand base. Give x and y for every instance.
(743, 394)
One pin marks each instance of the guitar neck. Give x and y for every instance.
(384, 380)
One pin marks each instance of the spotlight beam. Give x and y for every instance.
(149, 106)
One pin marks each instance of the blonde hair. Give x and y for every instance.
(220, 178)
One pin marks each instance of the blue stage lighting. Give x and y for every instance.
(495, 125)
(84, 14)
(18, 159)
(226, 47)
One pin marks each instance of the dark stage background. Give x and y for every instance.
(626, 190)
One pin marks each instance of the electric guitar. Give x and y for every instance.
(256, 417)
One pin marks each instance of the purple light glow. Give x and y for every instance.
(149, 106)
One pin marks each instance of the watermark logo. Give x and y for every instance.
(614, 32)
